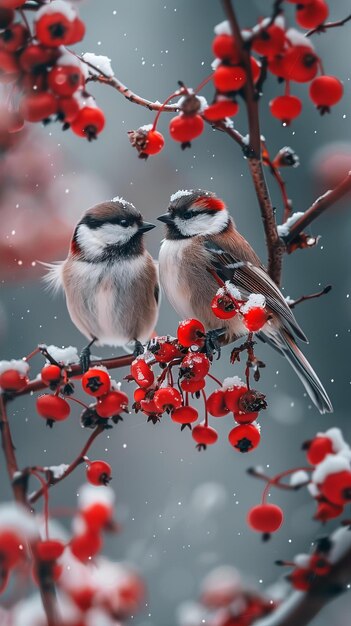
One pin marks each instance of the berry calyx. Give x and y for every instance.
(185, 128)
(204, 435)
(51, 374)
(223, 307)
(112, 404)
(89, 122)
(244, 438)
(52, 28)
(326, 91)
(142, 373)
(265, 518)
(191, 332)
(285, 108)
(317, 449)
(13, 38)
(96, 382)
(184, 415)
(167, 399)
(216, 404)
(228, 78)
(52, 408)
(50, 549)
(13, 380)
(99, 473)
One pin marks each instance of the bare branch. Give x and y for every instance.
(311, 296)
(327, 26)
(130, 95)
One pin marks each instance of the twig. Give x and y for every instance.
(311, 296)
(281, 183)
(323, 27)
(256, 473)
(128, 94)
(77, 461)
(318, 207)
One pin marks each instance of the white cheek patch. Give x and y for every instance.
(93, 242)
(203, 223)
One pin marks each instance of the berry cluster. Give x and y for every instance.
(284, 53)
(328, 479)
(308, 568)
(45, 79)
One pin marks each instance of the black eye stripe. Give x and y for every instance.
(94, 223)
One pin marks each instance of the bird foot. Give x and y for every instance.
(213, 343)
(84, 359)
(138, 348)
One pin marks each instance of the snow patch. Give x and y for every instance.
(88, 494)
(100, 62)
(223, 28)
(332, 464)
(16, 517)
(299, 478)
(181, 193)
(233, 381)
(15, 364)
(255, 300)
(57, 470)
(284, 229)
(57, 6)
(66, 356)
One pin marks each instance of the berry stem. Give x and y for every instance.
(203, 83)
(276, 479)
(162, 107)
(44, 486)
(205, 403)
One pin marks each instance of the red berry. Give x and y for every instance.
(65, 80)
(6, 17)
(327, 510)
(232, 396)
(96, 382)
(300, 63)
(255, 69)
(229, 78)
(195, 366)
(142, 373)
(85, 546)
(319, 565)
(246, 418)
(68, 109)
(49, 550)
(301, 578)
(223, 306)
(265, 518)
(97, 516)
(53, 28)
(99, 473)
(216, 404)
(166, 352)
(113, 403)
(185, 415)
(12, 4)
(139, 394)
(325, 91)
(185, 128)
(220, 109)
(149, 407)
(36, 107)
(8, 67)
(255, 318)
(154, 142)
(51, 374)
(77, 31)
(244, 438)
(52, 408)
(192, 386)
(167, 399)
(89, 122)
(337, 487)
(35, 58)
(11, 549)
(13, 38)
(286, 108)
(13, 380)
(204, 435)
(224, 48)
(312, 14)
(318, 449)
(191, 332)
(269, 41)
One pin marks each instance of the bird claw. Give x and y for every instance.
(84, 359)
(212, 342)
(138, 348)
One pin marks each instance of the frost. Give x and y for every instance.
(17, 518)
(255, 300)
(100, 62)
(223, 28)
(57, 6)
(122, 201)
(66, 356)
(297, 38)
(284, 229)
(231, 289)
(233, 381)
(228, 122)
(88, 494)
(331, 465)
(299, 478)
(57, 470)
(180, 194)
(15, 364)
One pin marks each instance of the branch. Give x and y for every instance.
(274, 244)
(77, 461)
(323, 27)
(127, 93)
(318, 207)
(311, 296)
(281, 183)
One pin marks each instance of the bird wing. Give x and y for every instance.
(251, 278)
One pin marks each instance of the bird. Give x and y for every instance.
(109, 279)
(200, 236)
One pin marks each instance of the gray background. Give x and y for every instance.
(173, 533)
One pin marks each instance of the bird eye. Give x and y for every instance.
(124, 223)
(189, 214)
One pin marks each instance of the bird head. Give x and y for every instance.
(194, 212)
(110, 226)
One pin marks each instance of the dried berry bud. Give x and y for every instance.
(252, 401)
(190, 105)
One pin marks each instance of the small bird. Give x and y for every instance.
(201, 235)
(109, 278)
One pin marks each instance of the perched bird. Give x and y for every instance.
(109, 278)
(200, 234)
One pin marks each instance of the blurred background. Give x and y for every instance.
(182, 513)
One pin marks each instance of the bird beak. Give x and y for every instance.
(166, 218)
(145, 226)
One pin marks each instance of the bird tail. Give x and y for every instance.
(286, 345)
(53, 276)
